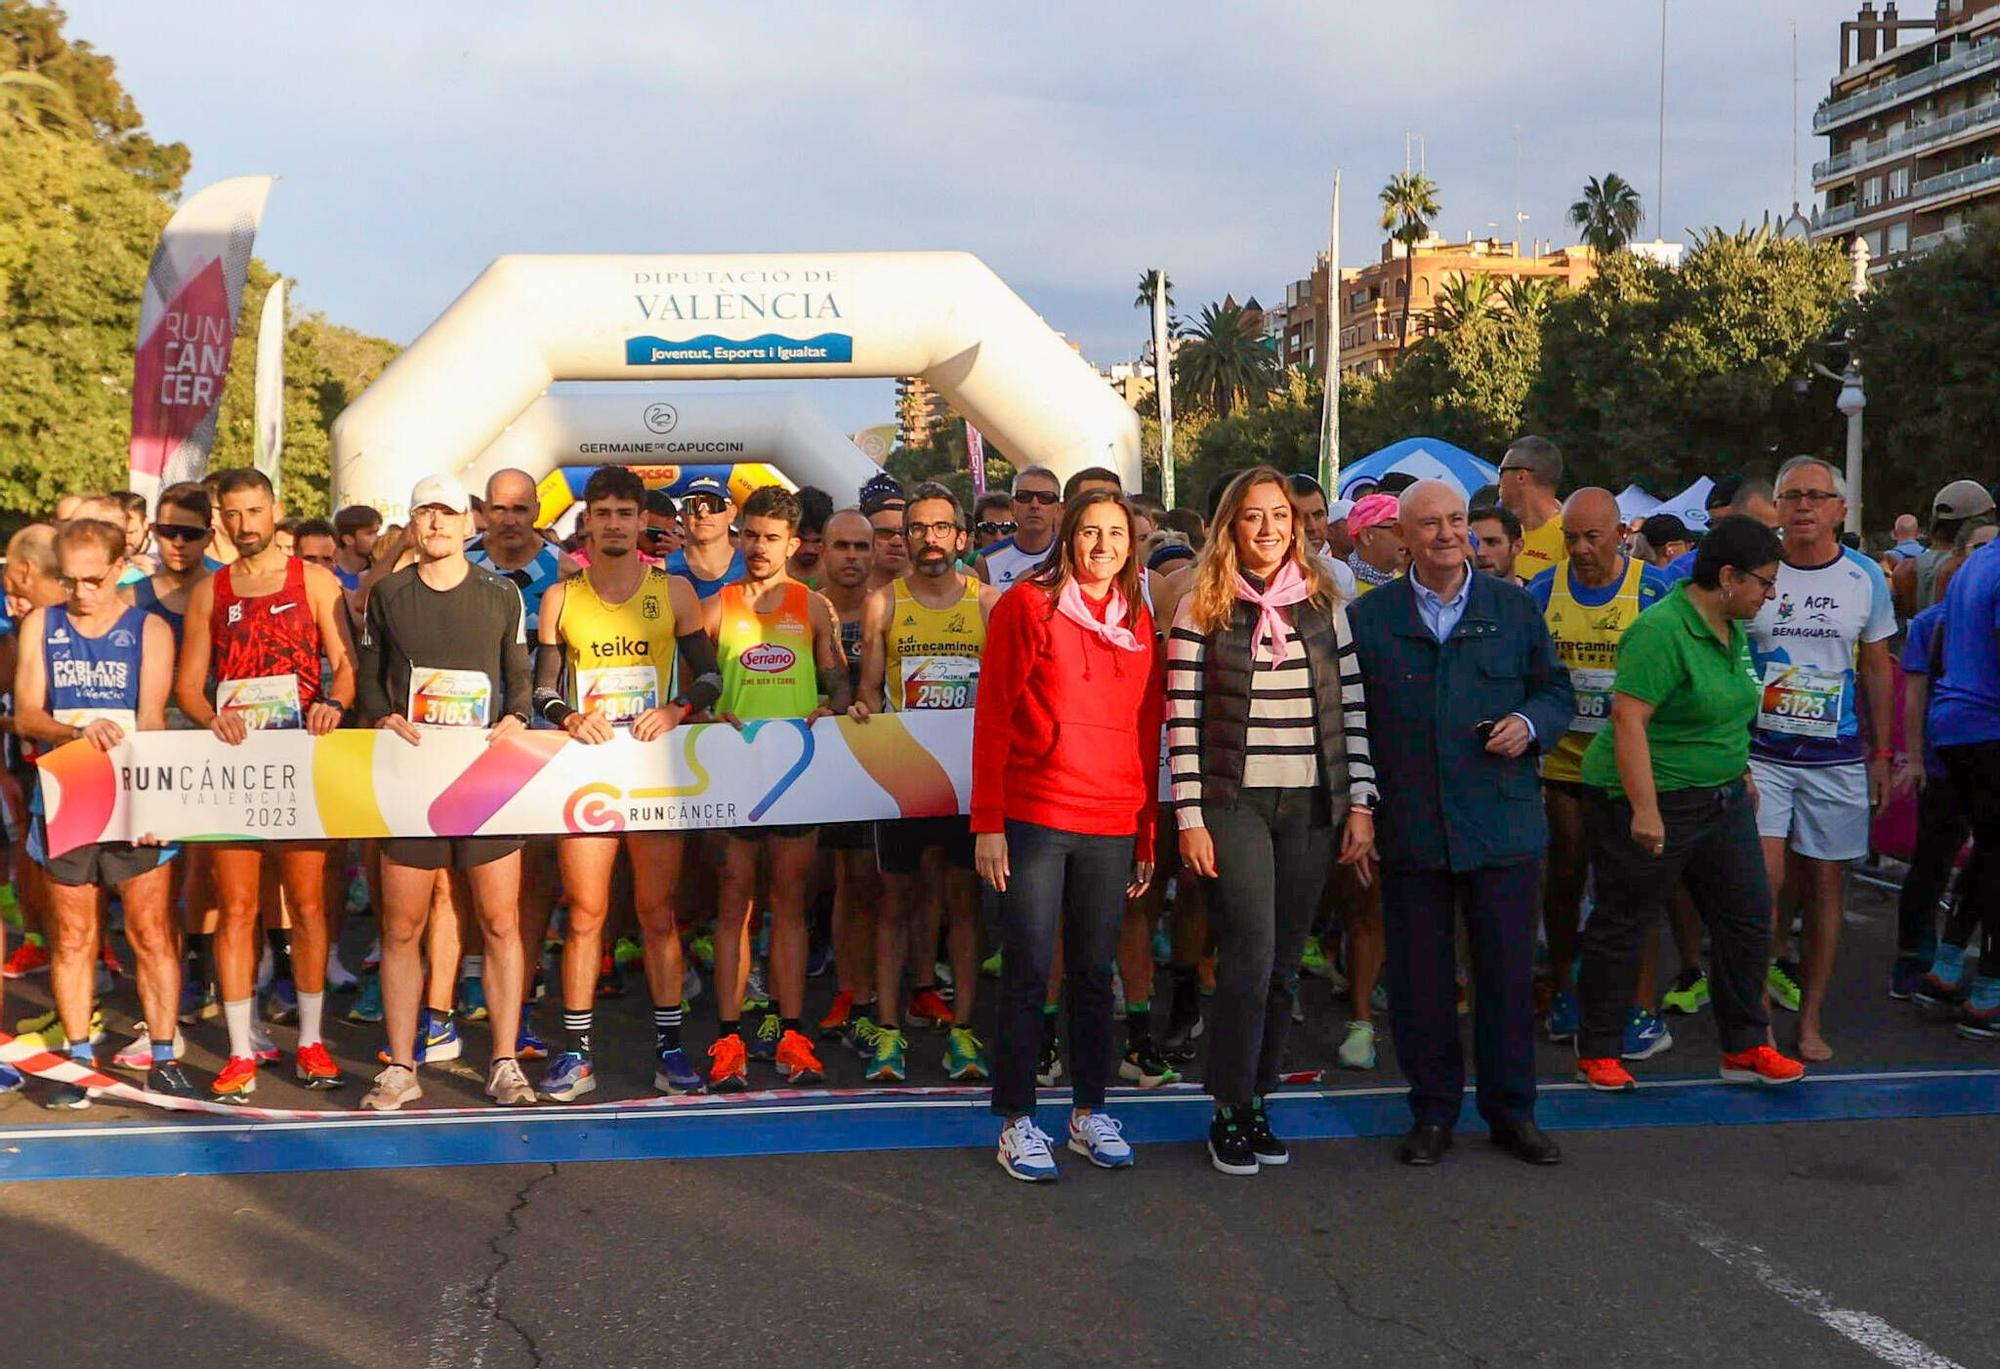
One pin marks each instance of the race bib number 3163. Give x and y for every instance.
(450, 698)
(1801, 701)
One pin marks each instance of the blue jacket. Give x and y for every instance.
(1447, 802)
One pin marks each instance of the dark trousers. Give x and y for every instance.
(1076, 882)
(1501, 904)
(1975, 774)
(1272, 850)
(1942, 827)
(1712, 847)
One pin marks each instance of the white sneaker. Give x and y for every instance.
(138, 1056)
(1097, 1138)
(1357, 1050)
(394, 1087)
(690, 984)
(339, 979)
(1025, 1154)
(508, 1086)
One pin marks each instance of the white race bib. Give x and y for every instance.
(127, 720)
(450, 698)
(939, 682)
(262, 701)
(1801, 700)
(1593, 698)
(618, 693)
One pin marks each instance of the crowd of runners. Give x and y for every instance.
(1451, 755)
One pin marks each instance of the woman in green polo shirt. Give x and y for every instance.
(1667, 798)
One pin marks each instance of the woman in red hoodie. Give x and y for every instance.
(1065, 790)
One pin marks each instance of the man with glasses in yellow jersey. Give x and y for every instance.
(616, 633)
(1529, 475)
(922, 635)
(778, 648)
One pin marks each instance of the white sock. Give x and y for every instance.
(310, 1007)
(236, 1014)
(472, 966)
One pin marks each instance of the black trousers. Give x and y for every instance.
(1272, 850)
(1942, 827)
(1501, 905)
(1712, 847)
(1975, 774)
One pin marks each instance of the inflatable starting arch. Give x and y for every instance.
(529, 321)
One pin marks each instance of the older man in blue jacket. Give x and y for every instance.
(1462, 682)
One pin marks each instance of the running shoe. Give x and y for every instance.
(507, 1086)
(314, 1068)
(861, 1036)
(1979, 1024)
(30, 957)
(1098, 1139)
(965, 1056)
(928, 1009)
(1646, 1036)
(45, 1032)
(1563, 1017)
(941, 973)
(1229, 1145)
(1049, 1067)
(1689, 995)
(137, 1056)
(990, 967)
(168, 1078)
(756, 991)
(198, 1004)
(690, 983)
(339, 979)
(281, 1004)
(1025, 1152)
(1357, 1048)
(1604, 1074)
(727, 1071)
(527, 1045)
(1936, 995)
(625, 950)
(1783, 981)
(1143, 1066)
(797, 1061)
(674, 1073)
(1760, 1065)
(1313, 960)
(570, 1076)
(888, 1065)
(610, 978)
(262, 1046)
(763, 1043)
(1184, 1027)
(368, 1006)
(441, 1043)
(1264, 1142)
(1905, 975)
(838, 1018)
(237, 1081)
(11, 1079)
(69, 1097)
(703, 949)
(472, 998)
(819, 959)
(394, 1087)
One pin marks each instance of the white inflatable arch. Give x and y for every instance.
(528, 321)
(652, 428)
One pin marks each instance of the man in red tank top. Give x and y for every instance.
(269, 632)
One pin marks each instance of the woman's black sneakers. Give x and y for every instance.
(1256, 1124)
(1229, 1144)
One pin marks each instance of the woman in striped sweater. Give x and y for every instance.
(1267, 739)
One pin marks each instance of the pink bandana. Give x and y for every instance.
(1112, 631)
(1272, 633)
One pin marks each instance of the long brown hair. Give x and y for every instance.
(1060, 568)
(1212, 596)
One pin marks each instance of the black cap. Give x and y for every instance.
(1663, 528)
(662, 503)
(882, 491)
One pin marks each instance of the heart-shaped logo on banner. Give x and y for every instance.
(790, 777)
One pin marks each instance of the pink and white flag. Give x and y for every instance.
(975, 457)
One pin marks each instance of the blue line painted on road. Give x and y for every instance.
(928, 1120)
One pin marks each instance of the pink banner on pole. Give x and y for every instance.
(975, 457)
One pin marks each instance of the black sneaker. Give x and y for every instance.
(1268, 1149)
(1229, 1145)
(1183, 1028)
(168, 1079)
(1048, 1069)
(1143, 1066)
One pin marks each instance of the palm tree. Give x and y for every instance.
(1608, 213)
(1225, 360)
(1409, 203)
(1527, 297)
(1149, 281)
(1463, 299)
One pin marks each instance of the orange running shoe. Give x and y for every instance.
(928, 1009)
(731, 1071)
(1761, 1065)
(315, 1068)
(1605, 1074)
(237, 1081)
(796, 1060)
(29, 958)
(838, 1017)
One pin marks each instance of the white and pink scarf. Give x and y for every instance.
(1272, 633)
(1111, 630)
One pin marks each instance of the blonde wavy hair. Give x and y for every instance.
(1212, 596)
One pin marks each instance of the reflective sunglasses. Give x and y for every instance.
(179, 532)
(1002, 529)
(1037, 497)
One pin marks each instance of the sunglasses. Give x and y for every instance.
(704, 504)
(655, 534)
(1003, 529)
(179, 532)
(1044, 497)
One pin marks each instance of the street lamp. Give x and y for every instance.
(1851, 401)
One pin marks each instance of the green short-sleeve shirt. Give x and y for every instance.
(1704, 696)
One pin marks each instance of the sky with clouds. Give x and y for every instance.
(1069, 144)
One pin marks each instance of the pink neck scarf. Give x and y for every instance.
(1272, 633)
(1112, 630)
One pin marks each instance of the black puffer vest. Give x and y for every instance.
(1225, 717)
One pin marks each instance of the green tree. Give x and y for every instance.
(1608, 214)
(944, 459)
(1463, 300)
(32, 41)
(1225, 362)
(1409, 203)
(1527, 297)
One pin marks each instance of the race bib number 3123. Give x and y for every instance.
(1801, 701)
(450, 698)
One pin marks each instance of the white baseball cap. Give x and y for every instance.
(1339, 509)
(442, 490)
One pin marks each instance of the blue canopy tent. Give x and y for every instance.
(1426, 458)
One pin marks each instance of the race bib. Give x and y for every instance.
(1593, 698)
(450, 698)
(618, 693)
(127, 720)
(262, 701)
(939, 682)
(1801, 701)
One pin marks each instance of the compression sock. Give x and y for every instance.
(667, 1027)
(311, 1007)
(576, 1028)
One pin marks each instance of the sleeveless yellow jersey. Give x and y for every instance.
(1541, 548)
(933, 655)
(1586, 641)
(767, 662)
(618, 658)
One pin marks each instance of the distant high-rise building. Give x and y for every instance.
(920, 412)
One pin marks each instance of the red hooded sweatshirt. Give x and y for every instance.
(1066, 727)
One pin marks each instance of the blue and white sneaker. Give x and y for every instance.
(527, 1044)
(1646, 1035)
(472, 999)
(1096, 1137)
(11, 1079)
(1563, 1016)
(1025, 1154)
(74, 1097)
(673, 1074)
(368, 1007)
(434, 1046)
(569, 1077)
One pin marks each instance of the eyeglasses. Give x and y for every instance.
(1000, 529)
(89, 582)
(1044, 497)
(1766, 581)
(1813, 497)
(179, 532)
(929, 531)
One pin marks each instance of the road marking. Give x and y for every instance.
(1865, 1329)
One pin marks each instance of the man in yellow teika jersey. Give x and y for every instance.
(778, 647)
(921, 636)
(615, 634)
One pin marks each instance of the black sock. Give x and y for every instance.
(728, 1026)
(789, 1024)
(667, 1027)
(576, 1027)
(1138, 1024)
(281, 953)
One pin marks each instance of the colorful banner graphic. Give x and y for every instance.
(187, 326)
(288, 785)
(975, 459)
